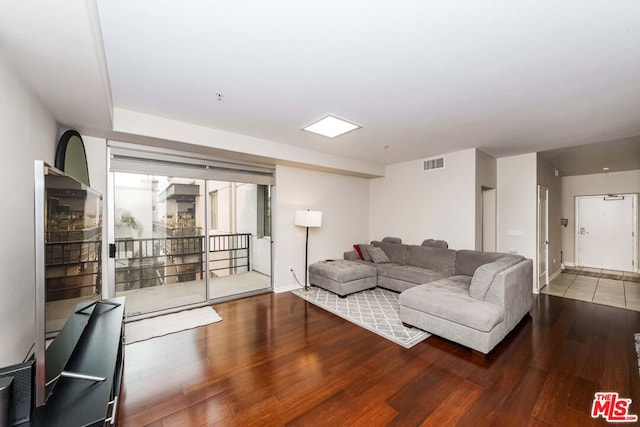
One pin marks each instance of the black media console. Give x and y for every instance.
(84, 370)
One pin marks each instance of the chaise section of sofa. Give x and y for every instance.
(476, 310)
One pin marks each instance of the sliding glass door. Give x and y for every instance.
(239, 238)
(159, 240)
(184, 241)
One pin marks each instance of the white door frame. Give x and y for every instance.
(634, 225)
(544, 215)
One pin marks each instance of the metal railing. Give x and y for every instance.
(73, 269)
(156, 261)
(232, 249)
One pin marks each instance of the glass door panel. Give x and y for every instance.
(160, 243)
(239, 238)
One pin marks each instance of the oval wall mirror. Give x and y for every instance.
(71, 157)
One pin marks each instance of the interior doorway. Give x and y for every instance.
(606, 232)
(488, 219)
(543, 237)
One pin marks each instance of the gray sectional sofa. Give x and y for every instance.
(473, 298)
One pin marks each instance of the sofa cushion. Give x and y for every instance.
(413, 274)
(438, 259)
(342, 271)
(467, 261)
(456, 284)
(382, 269)
(351, 256)
(454, 305)
(378, 256)
(396, 252)
(484, 275)
(435, 243)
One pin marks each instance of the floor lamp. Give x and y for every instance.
(307, 219)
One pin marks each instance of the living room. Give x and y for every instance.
(55, 78)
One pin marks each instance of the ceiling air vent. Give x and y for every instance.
(434, 163)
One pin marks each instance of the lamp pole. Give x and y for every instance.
(306, 264)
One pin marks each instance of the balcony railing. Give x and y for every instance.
(230, 252)
(155, 261)
(73, 268)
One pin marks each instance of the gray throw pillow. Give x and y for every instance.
(364, 248)
(378, 256)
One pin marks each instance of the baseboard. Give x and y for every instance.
(554, 275)
(569, 264)
(286, 288)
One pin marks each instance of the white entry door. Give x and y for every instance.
(605, 232)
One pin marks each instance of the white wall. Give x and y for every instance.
(224, 209)
(96, 149)
(517, 206)
(589, 185)
(133, 196)
(416, 205)
(261, 254)
(28, 132)
(247, 222)
(344, 202)
(247, 208)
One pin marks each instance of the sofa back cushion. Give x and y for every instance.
(435, 243)
(484, 275)
(437, 259)
(392, 239)
(467, 261)
(396, 252)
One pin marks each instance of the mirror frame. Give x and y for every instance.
(81, 170)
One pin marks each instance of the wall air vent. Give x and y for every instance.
(432, 164)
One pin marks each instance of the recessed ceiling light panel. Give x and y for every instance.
(331, 126)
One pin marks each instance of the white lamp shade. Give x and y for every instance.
(308, 218)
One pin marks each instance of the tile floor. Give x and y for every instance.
(616, 293)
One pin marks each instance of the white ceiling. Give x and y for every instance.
(421, 77)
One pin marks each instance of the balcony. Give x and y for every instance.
(155, 272)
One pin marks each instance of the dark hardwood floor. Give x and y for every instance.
(277, 360)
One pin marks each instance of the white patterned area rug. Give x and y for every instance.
(145, 329)
(377, 310)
